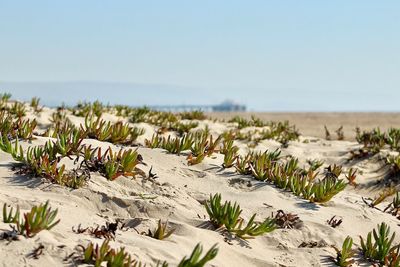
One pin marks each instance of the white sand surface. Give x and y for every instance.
(178, 196)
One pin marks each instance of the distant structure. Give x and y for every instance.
(226, 106)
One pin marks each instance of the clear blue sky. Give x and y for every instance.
(270, 55)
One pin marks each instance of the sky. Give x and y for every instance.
(308, 55)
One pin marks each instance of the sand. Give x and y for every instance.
(177, 196)
(312, 123)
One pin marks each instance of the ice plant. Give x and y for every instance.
(227, 215)
(195, 259)
(37, 219)
(324, 190)
(378, 244)
(253, 229)
(344, 256)
(161, 231)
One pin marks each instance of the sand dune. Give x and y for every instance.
(178, 195)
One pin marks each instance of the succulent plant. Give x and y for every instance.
(10, 217)
(340, 133)
(315, 164)
(230, 157)
(253, 229)
(39, 218)
(387, 192)
(394, 207)
(35, 104)
(394, 163)
(139, 114)
(112, 164)
(228, 215)
(193, 115)
(161, 231)
(14, 150)
(98, 254)
(18, 109)
(16, 128)
(5, 97)
(183, 128)
(344, 256)
(155, 141)
(333, 171)
(378, 244)
(84, 109)
(393, 138)
(68, 144)
(373, 141)
(203, 146)
(243, 164)
(178, 144)
(222, 214)
(327, 133)
(351, 177)
(195, 259)
(324, 190)
(261, 166)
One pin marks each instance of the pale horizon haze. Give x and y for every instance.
(269, 55)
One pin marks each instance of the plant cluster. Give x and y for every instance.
(174, 145)
(14, 108)
(244, 123)
(166, 121)
(375, 140)
(11, 127)
(203, 146)
(339, 132)
(99, 254)
(288, 176)
(382, 196)
(35, 104)
(378, 246)
(17, 109)
(195, 259)
(227, 215)
(43, 161)
(230, 152)
(84, 109)
(394, 164)
(282, 132)
(158, 118)
(37, 219)
(116, 133)
(96, 255)
(193, 115)
(112, 164)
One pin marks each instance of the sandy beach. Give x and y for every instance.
(179, 193)
(312, 123)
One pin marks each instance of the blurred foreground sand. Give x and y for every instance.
(312, 123)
